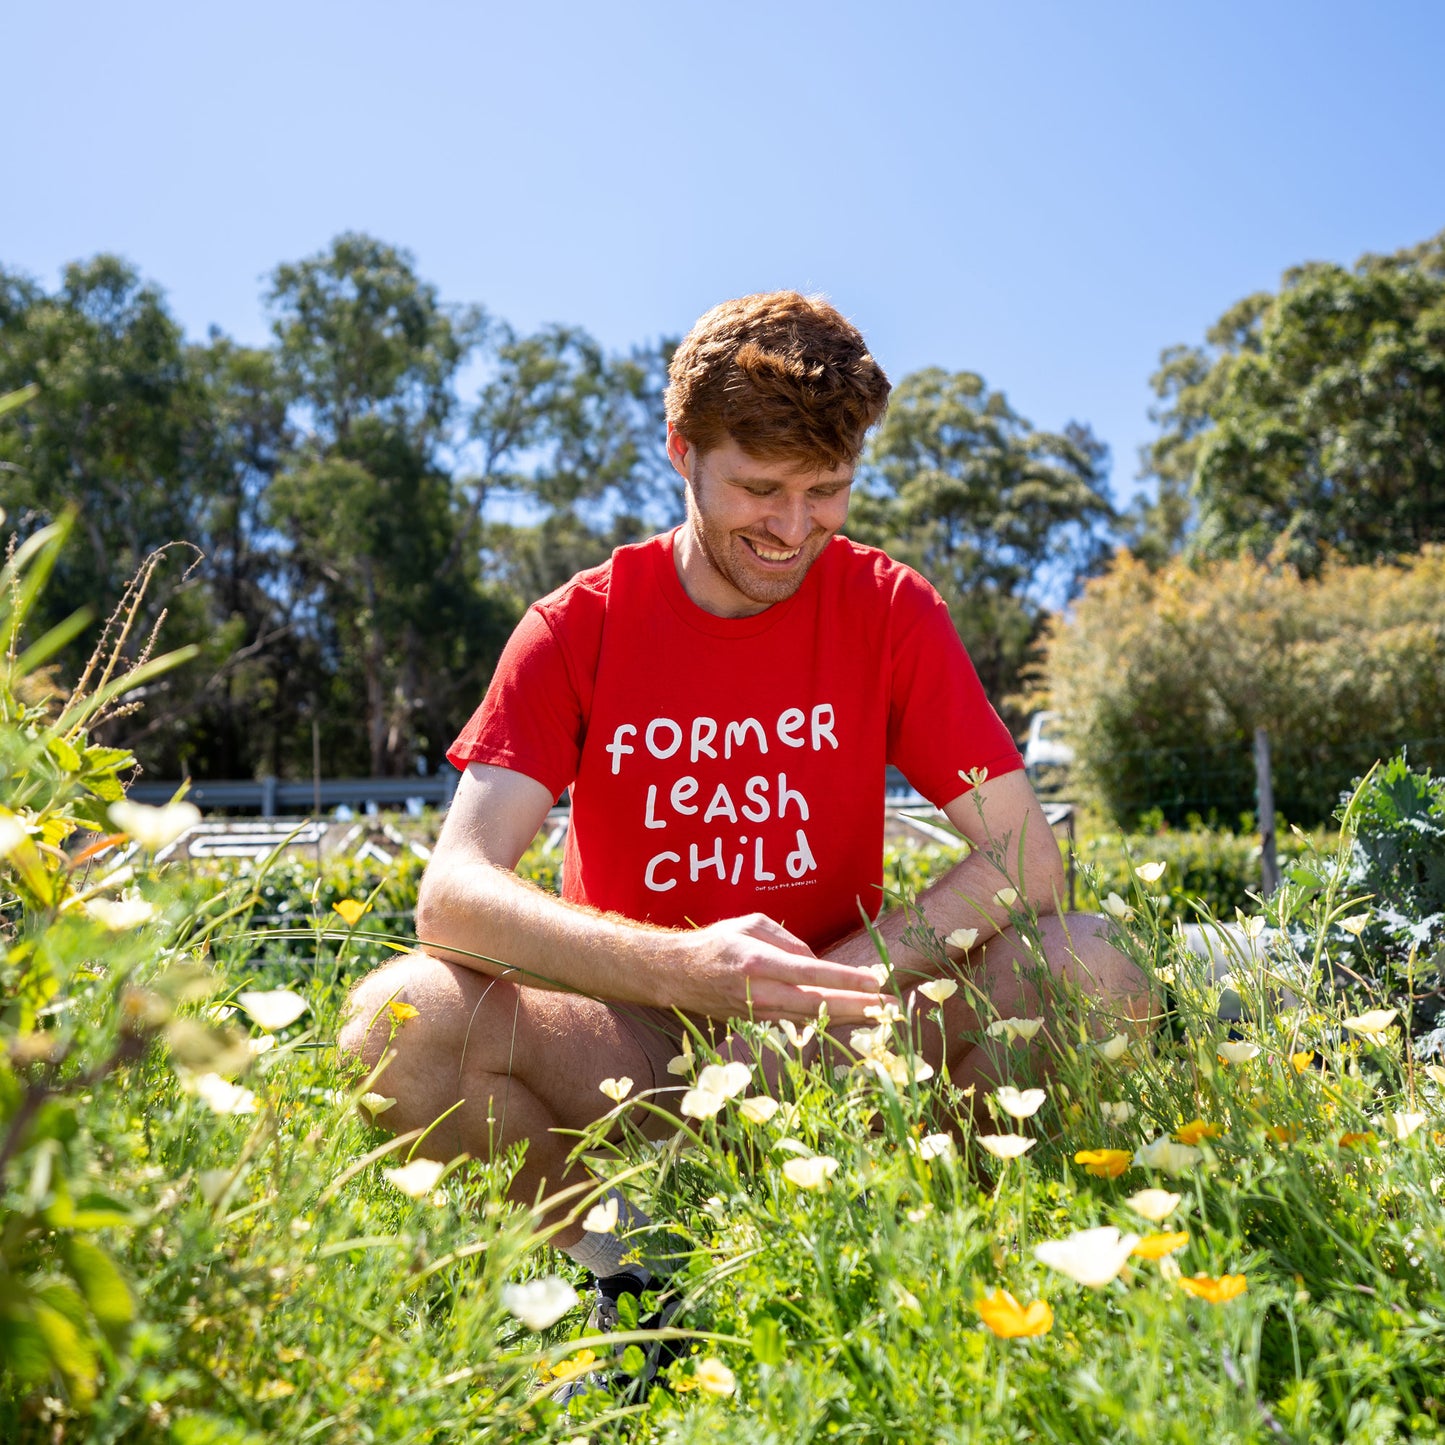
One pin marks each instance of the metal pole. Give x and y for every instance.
(1264, 788)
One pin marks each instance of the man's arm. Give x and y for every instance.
(474, 910)
(1013, 847)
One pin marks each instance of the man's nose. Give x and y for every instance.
(789, 522)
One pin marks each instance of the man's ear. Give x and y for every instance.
(680, 452)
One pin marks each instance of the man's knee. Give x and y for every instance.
(1096, 965)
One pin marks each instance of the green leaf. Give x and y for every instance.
(63, 753)
(101, 1282)
(627, 1313)
(107, 760)
(23, 1348)
(105, 786)
(211, 1430)
(633, 1360)
(767, 1340)
(70, 1351)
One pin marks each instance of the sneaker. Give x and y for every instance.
(605, 1319)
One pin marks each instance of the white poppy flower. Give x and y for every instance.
(1236, 1051)
(714, 1377)
(1113, 1048)
(273, 1008)
(1006, 897)
(1167, 1154)
(1116, 908)
(1006, 1146)
(120, 914)
(1404, 1124)
(1012, 1029)
(932, 1146)
(1091, 1257)
(1251, 927)
(800, 1039)
(1374, 1022)
(725, 1079)
(417, 1179)
(375, 1104)
(1154, 1205)
(936, 990)
(602, 1218)
(810, 1173)
(539, 1303)
(1019, 1105)
(616, 1089)
(879, 972)
(1119, 1113)
(221, 1096)
(154, 828)
(680, 1065)
(1355, 924)
(1150, 872)
(963, 938)
(701, 1103)
(758, 1109)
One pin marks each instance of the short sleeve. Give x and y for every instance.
(531, 719)
(941, 726)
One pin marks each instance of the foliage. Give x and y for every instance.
(1000, 517)
(1311, 424)
(1397, 862)
(202, 1242)
(1153, 669)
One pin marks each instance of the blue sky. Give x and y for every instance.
(1046, 193)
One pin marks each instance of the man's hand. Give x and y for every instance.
(752, 967)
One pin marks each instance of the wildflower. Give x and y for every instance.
(350, 910)
(1156, 1246)
(1104, 1163)
(616, 1089)
(273, 1008)
(917, 1216)
(810, 1173)
(1355, 924)
(715, 1377)
(1012, 1029)
(1006, 897)
(1353, 1140)
(936, 990)
(797, 1039)
(119, 915)
(1019, 1105)
(1006, 1146)
(725, 1079)
(1372, 1025)
(401, 1012)
(879, 972)
(1163, 1153)
(932, 1146)
(602, 1218)
(1165, 974)
(887, 1065)
(1113, 1048)
(1117, 1114)
(221, 1096)
(1010, 1320)
(1434, 1071)
(261, 1043)
(375, 1104)
(1090, 1257)
(539, 1303)
(1302, 1060)
(1404, 1124)
(1154, 1205)
(1282, 1133)
(886, 1013)
(1251, 927)
(154, 828)
(758, 1109)
(1216, 1291)
(963, 938)
(1236, 1051)
(1116, 908)
(568, 1369)
(1195, 1130)
(1150, 872)
(417, 1179)
(12, 834)
(701, 1104)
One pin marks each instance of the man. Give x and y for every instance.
(721, 702)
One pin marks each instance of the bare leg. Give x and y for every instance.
(523, 1062)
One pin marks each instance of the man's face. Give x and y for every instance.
(753, 527)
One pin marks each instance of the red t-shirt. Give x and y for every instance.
(721, 766)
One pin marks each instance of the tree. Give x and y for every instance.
(1002, 518)
(380, 569)
(1314, 421)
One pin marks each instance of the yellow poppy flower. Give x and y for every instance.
(1352, 1140)
(1195, 1130)
(1010, 1320)
(350, 910)
(1216, 1291)
(1156, 1246)
(1104, 1163)
(1302, 1060)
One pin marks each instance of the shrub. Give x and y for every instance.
(1163, 678)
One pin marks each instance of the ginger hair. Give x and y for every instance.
(785, 376)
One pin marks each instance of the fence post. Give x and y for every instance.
(1264, 788)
